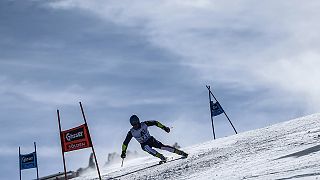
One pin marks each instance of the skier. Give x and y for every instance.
(140, 132)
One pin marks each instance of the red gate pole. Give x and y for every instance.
(64, 161)
(95, 157)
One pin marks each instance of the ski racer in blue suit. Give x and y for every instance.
(140, 132)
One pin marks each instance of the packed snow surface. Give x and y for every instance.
(289, 150)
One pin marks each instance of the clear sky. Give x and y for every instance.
(151, 58)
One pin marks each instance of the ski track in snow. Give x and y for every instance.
(289, 150)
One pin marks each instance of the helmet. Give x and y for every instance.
(134, 120)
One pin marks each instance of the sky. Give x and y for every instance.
(153, 59)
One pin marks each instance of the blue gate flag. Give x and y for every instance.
(216, 109)
(28, 161)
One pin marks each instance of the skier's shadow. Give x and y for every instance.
(302, 153)
(141, 169)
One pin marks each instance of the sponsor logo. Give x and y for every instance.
(75, 135)
(26, 159)
(71, 137)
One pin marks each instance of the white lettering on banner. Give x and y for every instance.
(26, 159)
(70, 136)
(76, 146)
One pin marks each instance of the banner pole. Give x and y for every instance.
(230, 122)
(20, 162)
(64, 161)
(223, 111)
(35, 150)
(95, 157)
(212, 124)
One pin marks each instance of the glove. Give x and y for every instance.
(167, 129)
(123, 154)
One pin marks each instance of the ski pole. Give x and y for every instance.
(122, 162)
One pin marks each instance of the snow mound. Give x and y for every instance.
(288, 150)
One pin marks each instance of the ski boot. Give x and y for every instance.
(163, 159)
(183, 154)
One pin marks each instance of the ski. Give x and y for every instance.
(171, 160)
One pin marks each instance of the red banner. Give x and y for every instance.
(76, 138)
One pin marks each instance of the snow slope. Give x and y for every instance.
(289, 150)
